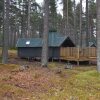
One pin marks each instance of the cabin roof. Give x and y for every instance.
(32, 42)
(92, 44)
(55, 40)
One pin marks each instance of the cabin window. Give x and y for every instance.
(27, 42)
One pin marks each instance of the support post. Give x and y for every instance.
(52, 59)
(78, 63)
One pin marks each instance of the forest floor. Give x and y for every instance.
(52, 83)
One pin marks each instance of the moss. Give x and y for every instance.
(0, 59)
(13, 48)
(79, 83)
(89, 74)
(14, 91)
(11, 88)
(85, 85)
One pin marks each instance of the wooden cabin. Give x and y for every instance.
(32, 48)
(60, 47)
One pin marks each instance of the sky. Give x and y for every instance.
(59, 6)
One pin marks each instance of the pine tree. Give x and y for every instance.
(67, 16)
(98, 35)
(45, 34)
(5, 32)
(28, 21)
(92, 18)
(80, 34)
(53, 15)
(87, 24)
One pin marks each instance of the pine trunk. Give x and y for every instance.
(45, 34)
(98, 35)
(87, 24)
(80, 34)
(28, 23)
(65, 17)
(75, 33)
(5, 32)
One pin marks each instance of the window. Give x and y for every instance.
(27, 42)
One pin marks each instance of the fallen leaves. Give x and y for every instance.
(39, 83)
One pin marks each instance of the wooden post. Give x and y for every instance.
(78, 63)
(78, 55)
(89, 62)
(59, 60)
(28, 59)
(52, 59)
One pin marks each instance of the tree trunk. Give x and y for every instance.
(87, 24)
(80, 34)
(28, 22)
(75, 33)
(5, 32)
(45, 34)
(65, 17)
(98, 35)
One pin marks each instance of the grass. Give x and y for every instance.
(85, 85)
(36, 83)
(0, 59)
(46, 84)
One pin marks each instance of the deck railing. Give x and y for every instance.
(68, 53)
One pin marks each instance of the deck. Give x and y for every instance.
(78, 54)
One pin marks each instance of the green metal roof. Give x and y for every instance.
(33, 42)
(92, 44)
(55, 40)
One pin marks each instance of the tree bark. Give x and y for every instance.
(80, 34)
(66, 17)
(87, 24)
(5, 32)
(45, 34)
(28, 23)
(98, 35)
(75, 33)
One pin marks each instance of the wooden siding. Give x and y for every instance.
(92, 54)
(78, 54)
(29, 52)
(33, 52)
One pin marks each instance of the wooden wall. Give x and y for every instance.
(78, 54)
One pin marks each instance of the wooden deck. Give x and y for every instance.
(78, 54)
